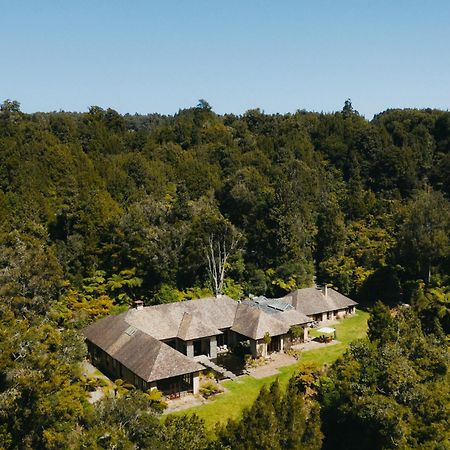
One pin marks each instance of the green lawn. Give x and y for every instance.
(243, 392)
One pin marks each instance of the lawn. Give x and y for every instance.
(243, 392)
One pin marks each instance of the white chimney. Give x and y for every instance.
(325, 289)
(139, 304)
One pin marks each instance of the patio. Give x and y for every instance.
(274, 362)
(313, 345)
(185, 402)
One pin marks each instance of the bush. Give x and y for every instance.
(156, 399)
(296, 331)
(251, 362)
(209, 388)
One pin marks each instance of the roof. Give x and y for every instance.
(275, 303)
(252, 322)
(283, 311)
(293, 317)
(310, 301)
(134, 337)
(168, 321)
(141, 353)
(191, 327)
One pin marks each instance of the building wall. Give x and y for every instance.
(213, 347)
(332, 315)
(182, 384)
(115, 370)
(261, 348)
(190, 349)
(207, 346)
(196, 383)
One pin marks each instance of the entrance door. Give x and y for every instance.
(174, 389)
(275, 345)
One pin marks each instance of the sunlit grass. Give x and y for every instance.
(243, 392)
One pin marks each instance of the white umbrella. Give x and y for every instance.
(326, 330)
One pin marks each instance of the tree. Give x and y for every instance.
(203, 104)
(41, 397)
(30, 274)
(266, 338)
(424, 233)
(380, 323)
(300, 420)
(122, 422)
(10, 106)
(184, 433)
(221, 245)
(388, 393)
(347, 110)
(275, 421)
(368, 246)
(433, 308)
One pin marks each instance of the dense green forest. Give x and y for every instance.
(98, 209)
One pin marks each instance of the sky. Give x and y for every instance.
(280, 56)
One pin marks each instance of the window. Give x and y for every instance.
(220, 340)
(187, 378)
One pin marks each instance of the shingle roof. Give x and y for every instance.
(252, 322)
(293, 317)
(133, 337)
(310, 301)
(141, 353)
(192, 328)
(164, 321)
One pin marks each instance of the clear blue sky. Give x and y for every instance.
(159, 56)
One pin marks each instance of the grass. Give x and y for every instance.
(243, 392)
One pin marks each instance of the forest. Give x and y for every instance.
(99, 209)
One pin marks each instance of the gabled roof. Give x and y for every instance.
(134, 337)
(164, 321)
(293, 317)
(252, 322)
(310, 301)
(191, 327)
(141, 353)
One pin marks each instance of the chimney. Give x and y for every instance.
(325, 289)
(139, 304)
